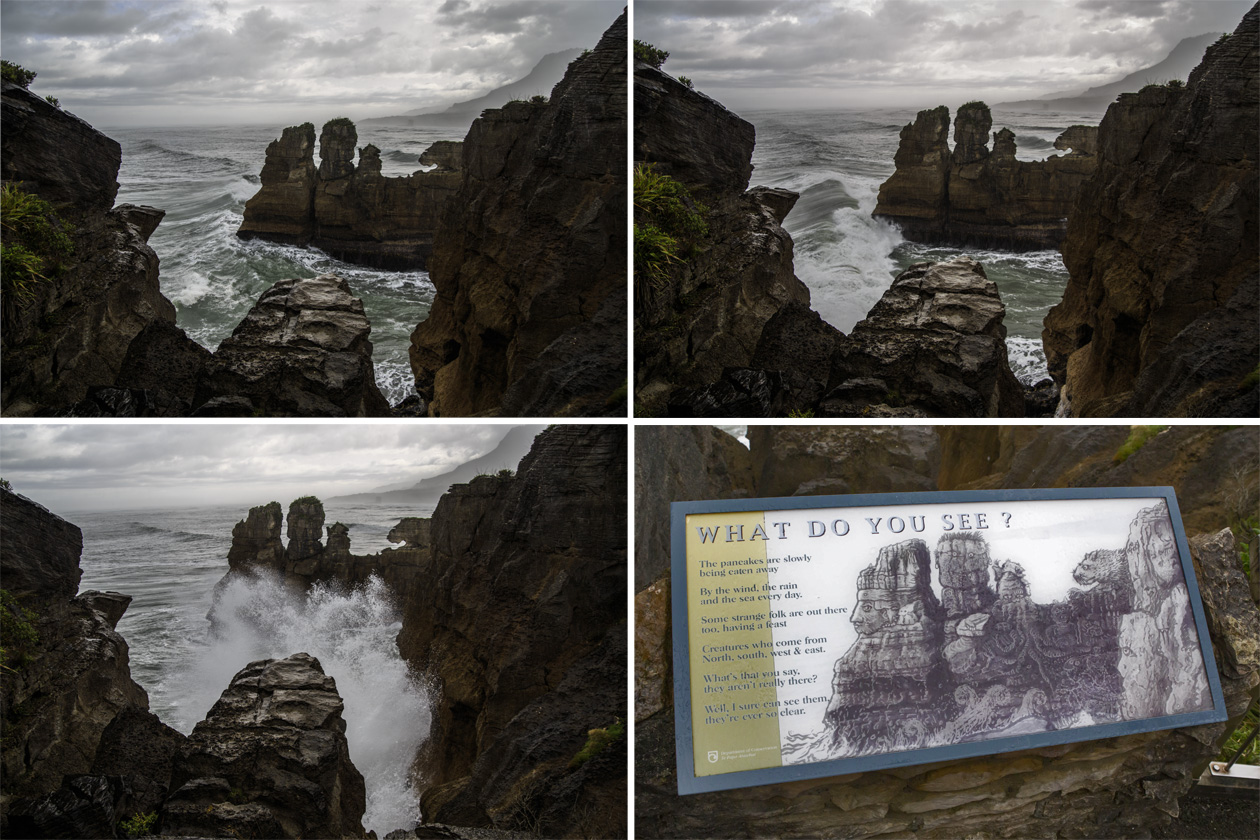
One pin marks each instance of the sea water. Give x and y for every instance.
(837, 160)
(169, 561)
(202, 178)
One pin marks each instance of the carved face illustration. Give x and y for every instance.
(871, 614)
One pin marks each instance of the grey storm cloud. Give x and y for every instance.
(921, 52)
(236, 55)
(143, 465)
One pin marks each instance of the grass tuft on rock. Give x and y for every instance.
(36, 243)
(1138, 436)
(667, 222)
(597, 741)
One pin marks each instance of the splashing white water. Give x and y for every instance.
(352, 634)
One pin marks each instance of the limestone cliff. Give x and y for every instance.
(1160, 311)
(708, 312)
(1118, 787)
(529, 258)
(974, 197)
(74, 330)
(352, 213)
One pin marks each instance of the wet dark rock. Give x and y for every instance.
(529, 252)
(140, 751)
(741, 392)
(1159, 312)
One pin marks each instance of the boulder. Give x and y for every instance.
(306, 525)
(140, 751)
(412, 531)
(1158, 314)
(283, 208)
(256, 539)
(303, 350)
(269, 760)
(916, 194)
(935, 341)
(41, 551)
(530, 250)
(336, 149)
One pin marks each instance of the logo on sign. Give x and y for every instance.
(713, 756)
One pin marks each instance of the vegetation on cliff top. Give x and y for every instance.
(17, 74)
(645, 52)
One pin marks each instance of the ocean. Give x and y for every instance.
(202, 178)
(836, 160)
(169, 561)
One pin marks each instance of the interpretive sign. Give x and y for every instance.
(824, 635)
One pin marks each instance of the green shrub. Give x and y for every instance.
(53, 101)
(1245, 727)
(538, 99)
(36, 242)
(686, 81)
(1176, 84)
(141, 825)
(505, 473)
(16, 74)
(339, 122)
(1138, 436)
(17, 632)
(597, 741)
(667, 221)
(645, 52)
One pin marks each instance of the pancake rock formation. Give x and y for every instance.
(351, 212)
(1159, 314)
(974, 197)
(529, 257)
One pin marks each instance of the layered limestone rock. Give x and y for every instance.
(269, 760)
(66, 677)
(935, 342)
(972, 197)
(303, 350)
(529, 259)
(709, 313)
(523, 625)
(352, 213)
(1118, 787)
(75, 329)
(1158, 317)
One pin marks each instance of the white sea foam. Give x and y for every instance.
(1028, 359)
(352, 634)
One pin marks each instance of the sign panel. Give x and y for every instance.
(816, 636)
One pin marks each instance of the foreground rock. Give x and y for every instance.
(302, 351)
(1159, 314)
(972, 197)
(529, 258)
(269, 760)
(1118, 787)
(352, 213)
(933, 346)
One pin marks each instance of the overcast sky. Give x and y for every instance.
(915, 53)
(119, 466)
(176, 62)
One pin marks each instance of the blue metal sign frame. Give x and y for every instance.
(689, 782)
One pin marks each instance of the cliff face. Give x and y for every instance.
(1159, 315)
(529, 259)
(1117, 787)
(709, 312)
(75, 330)
(353, 213)
(974, 197)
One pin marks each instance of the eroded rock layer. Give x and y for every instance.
(352, 212)
(974, 197)
(1160, 311)
(529, 258)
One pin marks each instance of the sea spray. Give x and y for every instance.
(352, 634)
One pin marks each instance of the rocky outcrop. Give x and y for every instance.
(269, 760)
(524, 628)
(352, 213)
(933, 346)
(935, 342)
(972, 197)
(302, 351)
(74, 330)
(1117, 787)
(65, 674)
(530, 256)
(708, 313)
(1159, 314)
